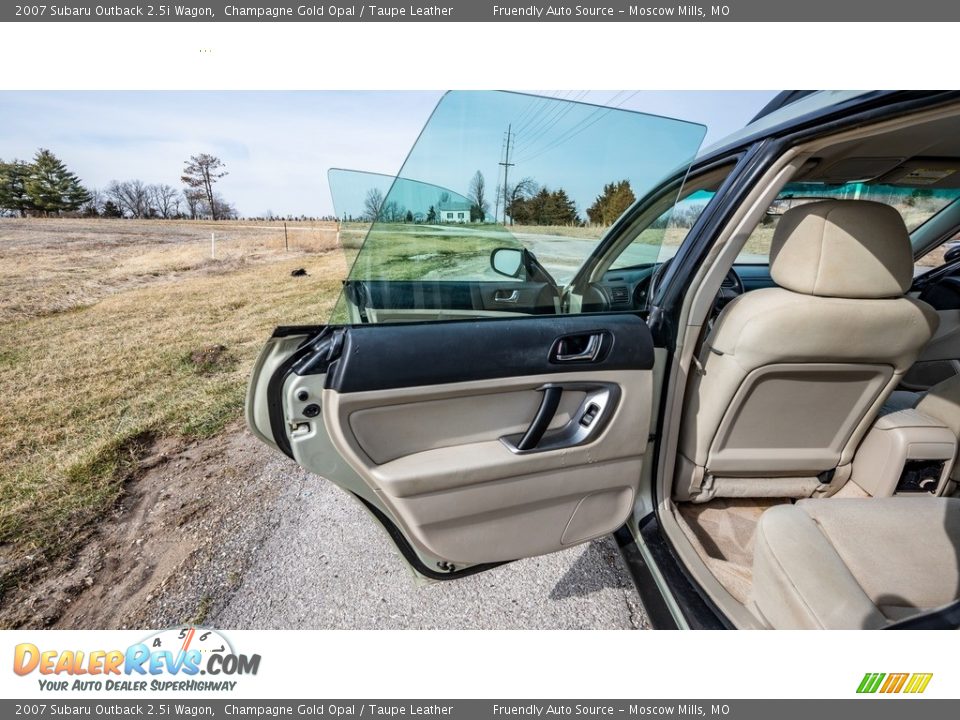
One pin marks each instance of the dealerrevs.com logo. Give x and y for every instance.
(181, 659)
(889, 683)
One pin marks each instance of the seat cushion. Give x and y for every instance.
(856, 563)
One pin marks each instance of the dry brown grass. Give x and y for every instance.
(587, 232)
(117, 332)
(52, 265)
(934, 258)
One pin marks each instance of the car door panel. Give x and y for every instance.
(391, 356)
(515, 426)
(406, 301)
(426, 419)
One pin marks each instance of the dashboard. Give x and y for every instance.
(629, 288)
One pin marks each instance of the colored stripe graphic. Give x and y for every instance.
(870, 682)
(918, 682)
(894, 683)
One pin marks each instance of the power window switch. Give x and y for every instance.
(589, 415)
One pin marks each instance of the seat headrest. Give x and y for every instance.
(842, 248)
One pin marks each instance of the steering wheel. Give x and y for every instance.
(730, 289)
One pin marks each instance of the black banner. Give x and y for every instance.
(483, 11)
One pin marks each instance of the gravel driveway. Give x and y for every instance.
(326, 564)
(227, 532)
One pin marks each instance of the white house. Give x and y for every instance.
(454, 212)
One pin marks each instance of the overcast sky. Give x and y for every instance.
(277, 146)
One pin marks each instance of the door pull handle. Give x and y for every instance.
(589, 353)
(541, 421)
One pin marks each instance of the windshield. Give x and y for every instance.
(539, 176)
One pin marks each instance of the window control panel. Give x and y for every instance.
(582, 425)
(589, 415)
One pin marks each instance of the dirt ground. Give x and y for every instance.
(226, 532)
(173, 516)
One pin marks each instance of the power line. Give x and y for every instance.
(528, 147)
(565, 108)
(542, 102)
(574, 131)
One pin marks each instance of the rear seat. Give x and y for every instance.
(856, 563)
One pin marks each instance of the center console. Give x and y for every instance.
(905, 453)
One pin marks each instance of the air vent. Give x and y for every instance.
(619, 295)
(729, 283)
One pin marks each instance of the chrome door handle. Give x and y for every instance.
(588, 354)
(512, 297)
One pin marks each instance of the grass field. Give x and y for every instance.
(118, 332)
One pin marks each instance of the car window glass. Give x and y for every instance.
(497, 170)
(915, 205)
(660, 240)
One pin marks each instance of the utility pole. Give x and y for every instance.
(506, 170)
(496, 194)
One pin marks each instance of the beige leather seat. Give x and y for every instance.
(794, 375)
(855, 563)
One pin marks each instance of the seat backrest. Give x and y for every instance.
(794, 375)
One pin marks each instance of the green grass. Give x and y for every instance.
(85, 393)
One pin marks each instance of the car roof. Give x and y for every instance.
(787, 108)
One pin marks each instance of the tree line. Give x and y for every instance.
(46, 187)
(527, 202)
(530, 203)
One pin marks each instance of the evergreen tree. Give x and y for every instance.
(110, 210)
(52, 188)
(611, 203)
(561, 210)
(13, 187)
(544, 208)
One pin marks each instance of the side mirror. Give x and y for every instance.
(507, 261)
(952, 254)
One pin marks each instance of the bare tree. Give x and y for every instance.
(94, 206)
(521, 190)
(477, 196)
(131, 196)
(194, 200)
(221, 209)
(165, 200)
(392, 212)
(373, 204)
(200, 173)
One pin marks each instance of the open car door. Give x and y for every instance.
(454, 393)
